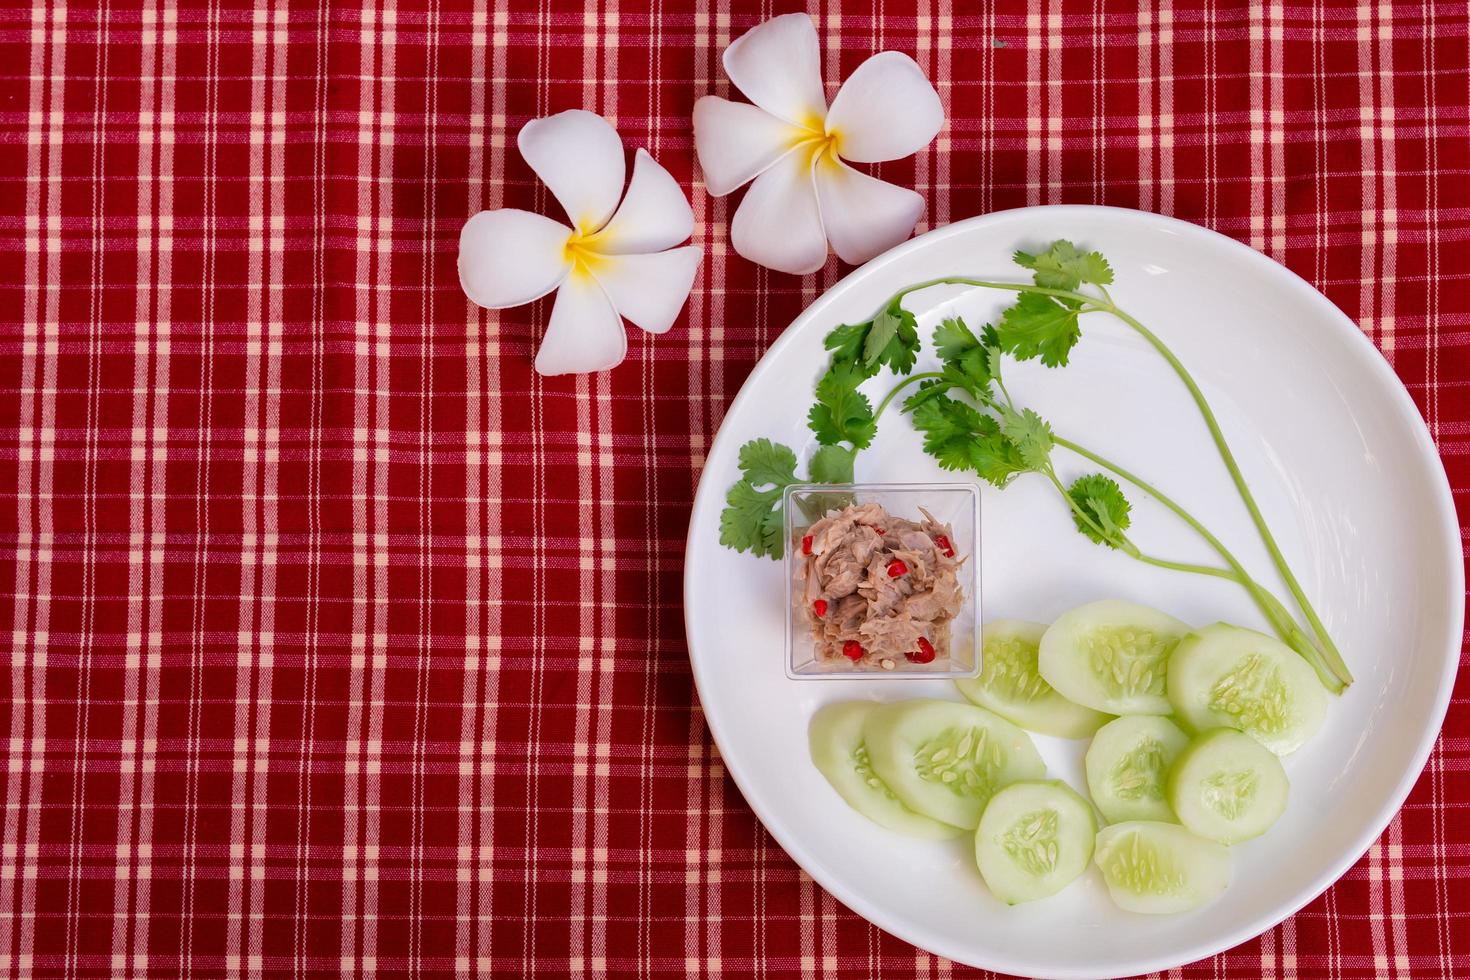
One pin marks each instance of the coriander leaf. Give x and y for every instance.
(1038, 326)
(751, 520)
(746, 522)
(960, 438)
(994, 458)
(950, 429)
(1101, 499)
(884, 329)
(842, 413)
(963, 351)
(900, 352)
(1030, 434)
(953, 377)
(989, 338)
(891, 338)
(763, 461)
(926, 391)
(953, 339)
(1063, 267)
(830, 464)
(846, 344)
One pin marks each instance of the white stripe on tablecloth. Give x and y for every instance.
(85, 623)
(1166, 107)
(490, 491)
(45, 330)
(133, 705)
(259, 744)
(1367, 311)
(703, 58)
(1034, 41)
(379, 276)
(1276, 108)
(1258, 98)
(1054, 121)
(944, 81)
(35, 452)
(588, 629)
(474, 545)
(426, 509)
(1440, 803)
(317, 409)
(204, 427)
(1387, 279)
(924, 160)
(382, 440)
(987, 89)
(254, 613)
(363, 460)
(158, 481)
(1146, 105)
(1388, 171)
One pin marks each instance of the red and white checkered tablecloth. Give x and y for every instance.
(338, 640)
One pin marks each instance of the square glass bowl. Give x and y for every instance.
(955, 504)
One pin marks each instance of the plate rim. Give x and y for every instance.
(1454, 585)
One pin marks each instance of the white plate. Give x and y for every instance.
(1340, 462)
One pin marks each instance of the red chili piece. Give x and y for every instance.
(897, 568)
(821, 607)
(923, 655)
(879, 531)
(944, 545)
(806, 545)
(852, 650)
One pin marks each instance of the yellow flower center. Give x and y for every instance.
(818, 143)
(581, 250)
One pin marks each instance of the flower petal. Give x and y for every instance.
(579, 157)
(885, 110)
(778, 224)
(737, 142)
(863, 216)
(511, 257)
(650, 289)
(778, 65)
(585, 333)
(654, 215)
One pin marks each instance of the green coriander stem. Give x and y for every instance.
(1270, 607)
(1129, 548)
(1181, 566)
(1325, 645)
(1327, 648)
(1280, 619)
(900, 387)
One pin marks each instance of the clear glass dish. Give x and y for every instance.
(955, 504)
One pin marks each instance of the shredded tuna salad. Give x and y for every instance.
(878, 590)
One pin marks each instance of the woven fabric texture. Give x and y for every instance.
(340, 641)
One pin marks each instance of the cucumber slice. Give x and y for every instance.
(1034, 839)
(1227, 786)
(1224, 676)
(945, 759)
(1010, 686)
(1160, 867)
(1127, 765)
(1111, 656)
(836, 739)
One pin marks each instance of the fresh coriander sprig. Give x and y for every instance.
(1044, 323)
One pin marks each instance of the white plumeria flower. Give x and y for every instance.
(616, 260)
(793, 146)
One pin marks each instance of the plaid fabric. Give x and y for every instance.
(339, 640)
